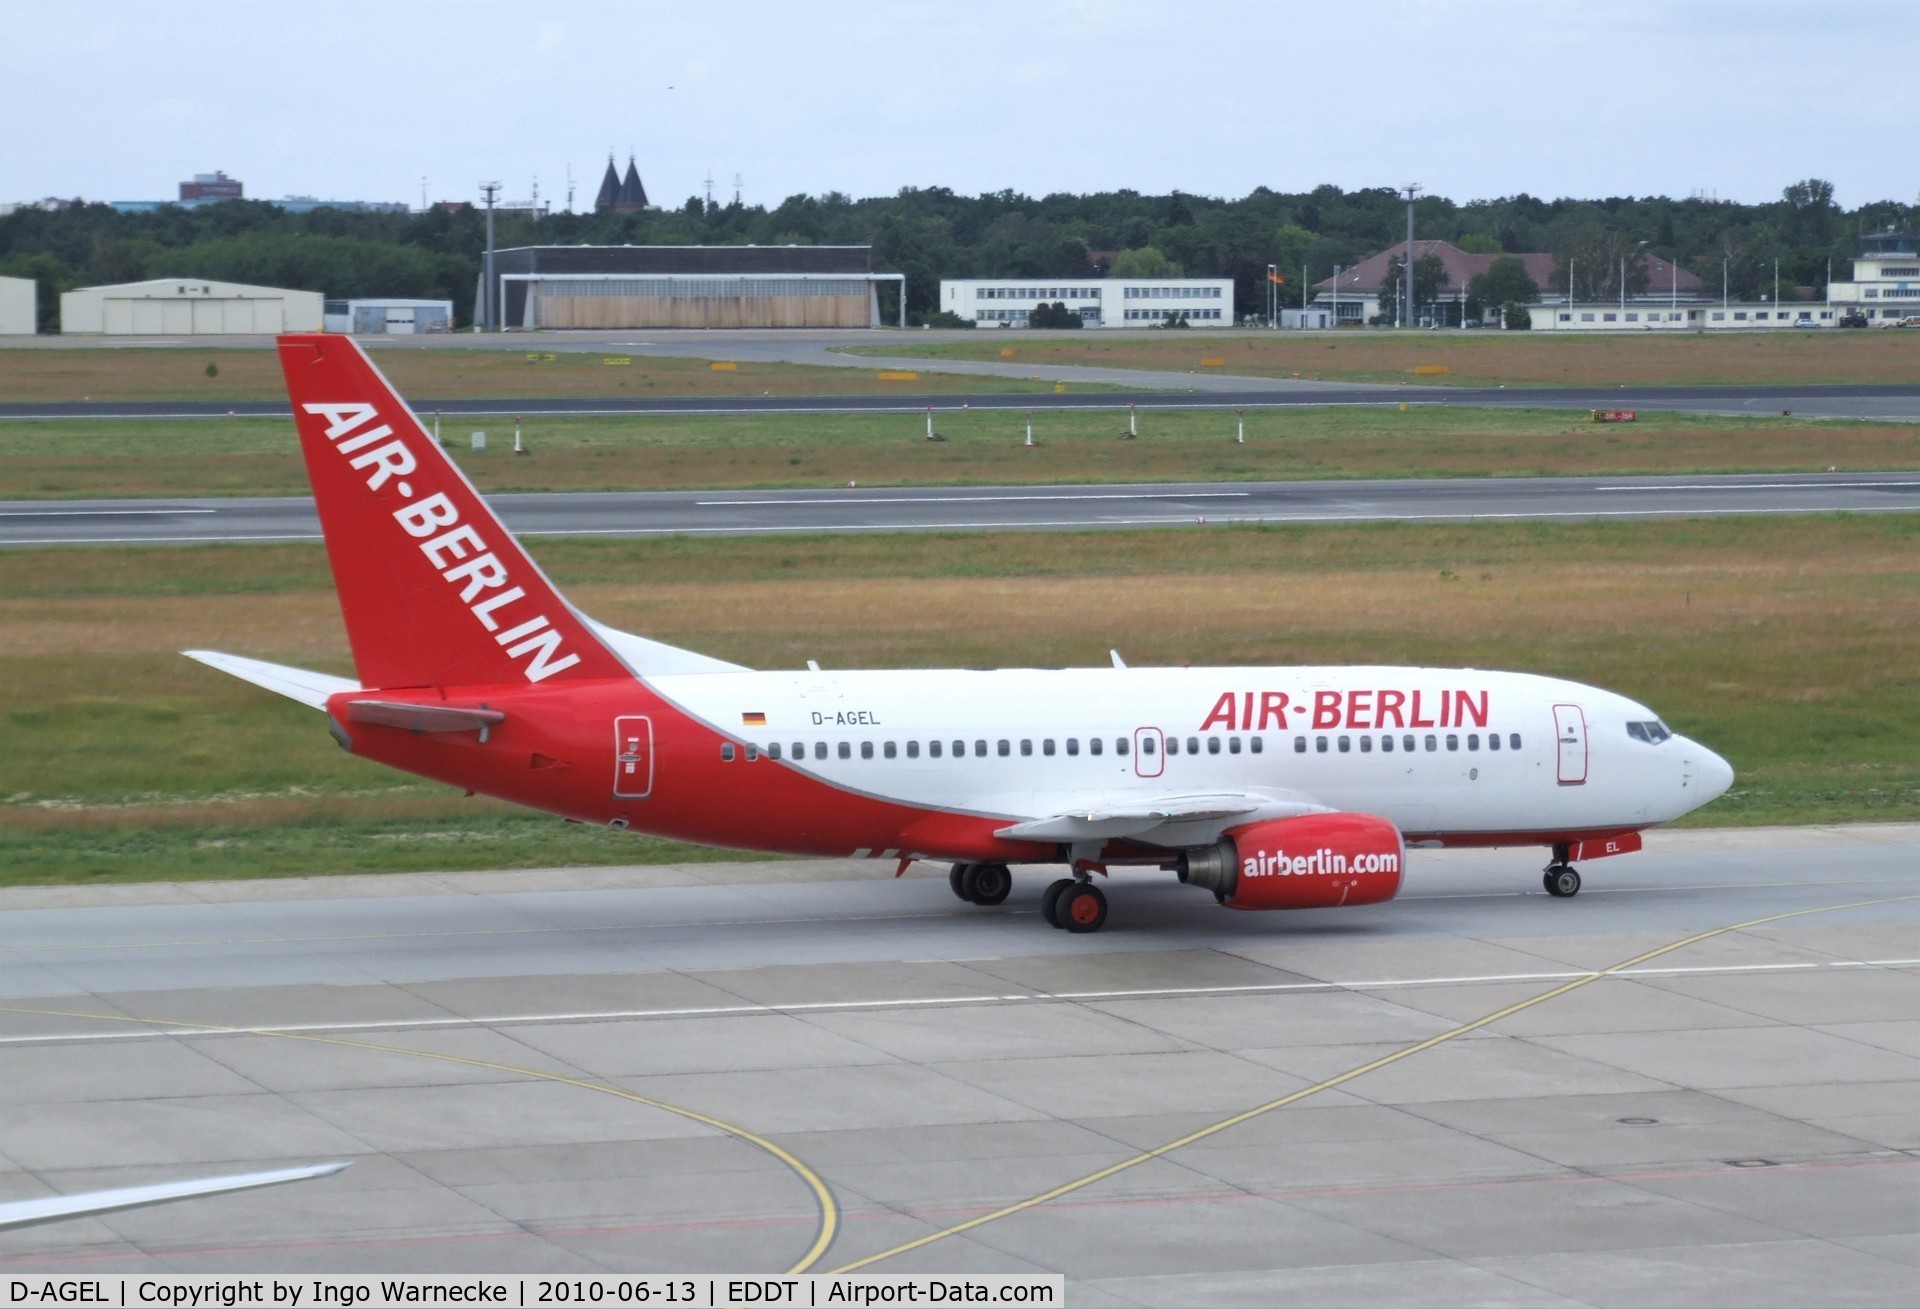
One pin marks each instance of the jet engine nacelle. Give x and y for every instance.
(1315, 861)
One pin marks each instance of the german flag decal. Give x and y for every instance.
(753, 720)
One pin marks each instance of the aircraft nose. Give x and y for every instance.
(1712, 775)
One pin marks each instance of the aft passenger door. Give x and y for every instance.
(1570, 730)
(632, 757)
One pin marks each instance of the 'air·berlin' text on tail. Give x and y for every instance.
(434, 589)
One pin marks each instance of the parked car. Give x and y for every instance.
(1804, 321)
(1853, 320)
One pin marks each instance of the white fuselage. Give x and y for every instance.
(1440, 753)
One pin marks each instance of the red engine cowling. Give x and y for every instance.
(1315, 861)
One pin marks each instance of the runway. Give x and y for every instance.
(1000, 508)
(1891, 403)
(509, 1060)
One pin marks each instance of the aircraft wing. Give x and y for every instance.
(25, 1213)
(1181, 816)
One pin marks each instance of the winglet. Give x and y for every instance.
(1118, 662)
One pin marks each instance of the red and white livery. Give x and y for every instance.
(1273, 788)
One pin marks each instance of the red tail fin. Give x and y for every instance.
(435, 591)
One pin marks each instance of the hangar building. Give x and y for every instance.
(188, 306)
(660, 286)
(19, 306)
(389, 316)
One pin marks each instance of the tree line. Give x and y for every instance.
(931, 232)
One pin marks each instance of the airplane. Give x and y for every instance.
(1269, 787)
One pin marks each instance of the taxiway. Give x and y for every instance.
(512, 1059)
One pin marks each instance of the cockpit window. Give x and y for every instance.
(1653, 733)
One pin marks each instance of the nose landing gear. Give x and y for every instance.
(1561, 878)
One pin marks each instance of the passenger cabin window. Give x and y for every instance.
(1093, 745)
(753, 752)
(889, 750)
(726, 752)
(1073, 745)
(1026, 747)
(1120, 746)
(846, 750)
(819, 749)
(1346, 744)
(1473, 740)
(866, 749)
(1173, 745)
(1253, 743)
(1193, 745)
(1493, 740)
(1386, 745)
(1299, 745)
(979, 749)
(913, 749)
(1006, 747)
(1046, 746)
(933, 749)
(1146, 745)
(1433, 743)
(1513, 740)
(1213, 745)
(1320, 745)
(1233, 745)
(1453, 742)
(773, 751)
(1366, 745)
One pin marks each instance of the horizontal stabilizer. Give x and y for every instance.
(310, 689)
(423, 717)
(53, 1208)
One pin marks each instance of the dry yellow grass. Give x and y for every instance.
(1786, 643)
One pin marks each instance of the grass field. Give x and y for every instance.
(246, 456)
(444, 372)
(1785, 643)
(1471, 358)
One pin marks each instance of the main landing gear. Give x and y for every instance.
(1561, 878)
(1074, 904)
(983, 884)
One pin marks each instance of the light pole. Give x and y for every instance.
(1570, 263)
(1723, 283)
(1406, 298)
(490, 190)
(1273, 314)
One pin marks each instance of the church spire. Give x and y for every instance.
(609, 188)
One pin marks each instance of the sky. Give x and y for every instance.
(1471, 99)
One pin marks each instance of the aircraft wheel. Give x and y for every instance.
(1050, 902)
(987, 884)
(957, 880)
(1081, 907)
(1561, 881)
